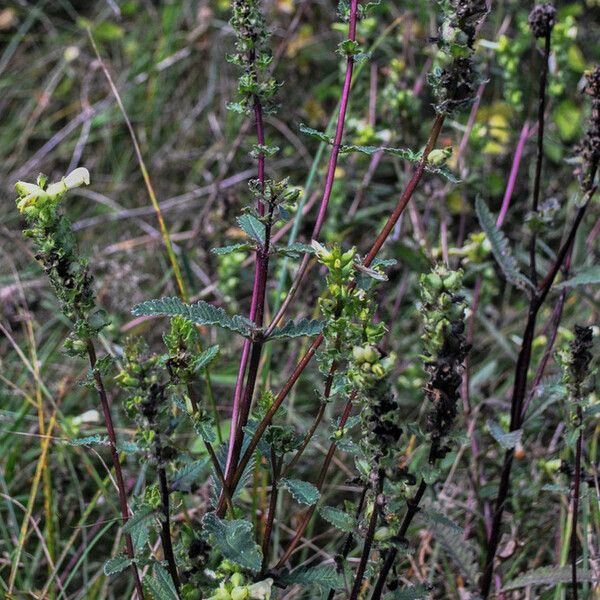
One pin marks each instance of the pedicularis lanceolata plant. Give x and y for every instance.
(223, 495)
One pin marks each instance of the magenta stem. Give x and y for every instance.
(514, 171)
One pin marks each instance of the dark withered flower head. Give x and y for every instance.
(580, 355)
(469, 14)
(592, 79)
(456, 84)
(542, 19)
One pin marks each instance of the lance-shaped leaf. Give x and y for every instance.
(293, 329)
(589, 276)
(546, 576)
(200, 313)
(254, 228)
(205, 358)
(317, 135)
(302, 491)
(507, 439)
(230, 249)
(325, 577)
(338, 518)
(235, 541)
(116, 564)
(500, 247)
(161, 584)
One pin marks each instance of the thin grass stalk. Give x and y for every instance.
(576, 486)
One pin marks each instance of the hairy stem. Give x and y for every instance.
(360, 572)
(112, 438)
(576, 485)
(165, 532)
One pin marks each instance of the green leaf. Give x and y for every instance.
(200, 313)
(417, 592)
(500, 247)
(302, 491)
(90, 440)
(546, 576)
(338, 518)
(507, 439)
(299, 328)
(567, 116)
(295, 250)
(142, 516)
(589, 276)
(116, 564)
(253, 228)
(230, 249)
(325, 577)
(188, 474)
(235, 540)
(205, 358)
(161, 584)
(318, 135)
(451, 537)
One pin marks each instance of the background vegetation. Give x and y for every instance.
(58, 509)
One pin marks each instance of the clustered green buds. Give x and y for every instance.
(182, 342)
(442, 311)
(441, 305)
(368, 364)
(57, 252)
(236, 588)
(253, 56)
(475, 250)
(576, 361)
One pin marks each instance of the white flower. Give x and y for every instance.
(76, 178)
(261, 590)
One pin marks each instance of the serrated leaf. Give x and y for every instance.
(302, 491)
(254, 228)
(325, 577)
(313, 133)
(295, 250)
(116, 564)
(507, 439)
(205, 429)
(417, 592)
(200, 313)
(546, 576)
(230, 249)
(589, 276)
(451, 537)
(141, 516)
(235, 540)
(338, 518)
(500, 247)
(293, 329)
(188, 474)
(205, 358)
(90, 440)
(161, 584)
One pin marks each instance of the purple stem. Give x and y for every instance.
(330, 177)
(514, 171)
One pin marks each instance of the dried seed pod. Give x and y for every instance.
(542, 19)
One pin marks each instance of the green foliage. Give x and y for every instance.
(116, 565)
(161, 584)
(551, 576)
(302, 491)
(254, 228)
(235, 541)
(300, 328)
(338, 518)
(507, 439)
(200, 313)
(324, 577)
(501, 248)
